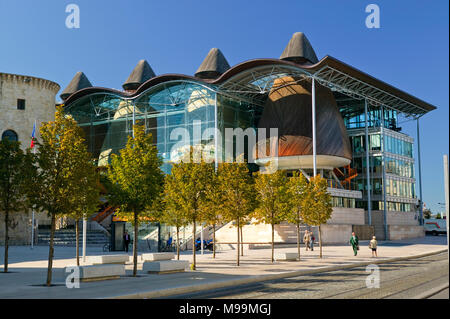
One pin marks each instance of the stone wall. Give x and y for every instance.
(19, 231)
(399, 232)
(335, 234)
(39, 95)
(347, 216)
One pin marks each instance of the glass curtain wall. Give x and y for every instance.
(176, 113)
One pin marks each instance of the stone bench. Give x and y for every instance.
(285, 256)
(165, 266)
(99, 272)
(108, 259)
(157, 256)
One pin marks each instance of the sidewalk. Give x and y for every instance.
(29, 269)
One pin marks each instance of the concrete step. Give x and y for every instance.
(68, 238)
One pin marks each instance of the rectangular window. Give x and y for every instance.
(20, 104)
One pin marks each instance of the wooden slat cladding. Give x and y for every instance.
(288, 108)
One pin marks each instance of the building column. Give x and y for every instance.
(383, 161)
(216, 142)
(420, 175)
(313, 95)
(369, 197)
(134, 117)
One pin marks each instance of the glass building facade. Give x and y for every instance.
(390, 157)
(177, 114)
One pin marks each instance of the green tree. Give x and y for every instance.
(173, 214)
(237, 194)
(317, 208)
(60, 158)
(86, 196)
(273, 200)
(211, 212)
(187, 190)
(438, 216)
(16, 171)
(297, 188)
(136, 181)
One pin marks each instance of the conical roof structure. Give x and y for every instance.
(213, 65)
(299, 50)
(79, 81)
(141, 73)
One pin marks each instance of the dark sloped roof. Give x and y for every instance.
(299, 50)
(140, 74)
(213, 65)
(79, 81)
(386, 90)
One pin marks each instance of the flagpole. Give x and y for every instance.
(32, 213)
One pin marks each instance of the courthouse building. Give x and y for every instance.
(355, 141)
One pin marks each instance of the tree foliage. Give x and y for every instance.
(16, 173)
(187, 189)
(297, 190)
(236, 198)
(273, 200)
(136, 181)
(86, 194)
(61, 158)
(317, 207)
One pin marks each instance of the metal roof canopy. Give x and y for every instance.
(256, 82)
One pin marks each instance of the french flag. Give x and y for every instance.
(32, 135)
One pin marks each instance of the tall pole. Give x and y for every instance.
(369, 199)
(216, 142)
(32, 212)
(313, 95)
(447, 199)
(383, 145)
(84, 239)
(201, 240)
(134, 117)
(420, 174)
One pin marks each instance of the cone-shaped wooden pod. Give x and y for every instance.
(288, 108)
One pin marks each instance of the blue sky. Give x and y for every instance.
(410, 50)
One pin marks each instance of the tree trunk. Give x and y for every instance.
(214, 240)
(238, 242)
(135, 243)
(178, 242)
(298, 240)
(5, 265)
(242, 243)
(193, 247)
(273, 239)
(77, 240)
(320, 241)
(50, 253)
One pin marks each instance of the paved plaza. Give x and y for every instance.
(28, 268)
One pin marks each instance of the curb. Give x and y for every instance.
(260, 278)
(431, 292)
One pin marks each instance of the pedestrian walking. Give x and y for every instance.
(355, 243)
(126, 240)
(306, 239)
(312, 241)
(373, 245)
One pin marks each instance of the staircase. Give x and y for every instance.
(68, 238)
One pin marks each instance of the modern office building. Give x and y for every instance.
(332, 119)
